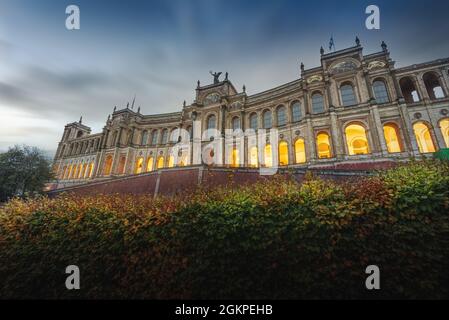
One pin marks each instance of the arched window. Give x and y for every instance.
(317, 103)
(235, 123)
(83, 175)
(433, 87)
(380, 91)
(423, 137)
(171, 161)
(144, 140)
(80, 171)
(69, 172)
(160, 162)
(347, 95)
(267, 121)
(253, 157)
(296, 112)
(300, 151)
(154, 137)
(121, 165)
(356, 140)
(234, 158)
(323, 145)
(150, 164)
(444, 125)
(108, 165)
(139, 166)
(164, 139)
(174, 135)
(64, 173)
(281, 116)
(391, 134)
(190, 132)
(211, 122)
(408, 90)
(90, 171)
(253, 121)
(283, 153)
(268, 156)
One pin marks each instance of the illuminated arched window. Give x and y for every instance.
(160, 162)
(171, 161)
(64, 173)
(121, 165)
(254, 157)
(296, 112)
(391, 134)
(268, 156)
(253, 121)
(281, 116)
(347, 95)
(108, 165)
(139, 166)
(356, 140)
(317, 103)
(150, 164)
(80, 171)
(267, 121)
(300, 151)
(234, 158)
(380, 91)
(283, 153)
(69, 172)
(323, 146)
(83, 174)
(444, 125)
(423, 137)
(90, 171)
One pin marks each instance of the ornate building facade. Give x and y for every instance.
(352, 108)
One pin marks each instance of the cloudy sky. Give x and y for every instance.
(50, 76)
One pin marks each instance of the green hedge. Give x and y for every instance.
(272, 240)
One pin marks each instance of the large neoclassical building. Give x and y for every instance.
(352, 108)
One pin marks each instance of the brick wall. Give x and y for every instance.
(180, 180)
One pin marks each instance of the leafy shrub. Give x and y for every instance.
(272, 240)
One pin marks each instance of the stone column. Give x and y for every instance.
(444, 82)
(408, 130)
(368, 86)
(378, 129)
(336, 138)
(310, 141)
(419, 85)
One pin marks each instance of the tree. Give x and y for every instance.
(24, 171)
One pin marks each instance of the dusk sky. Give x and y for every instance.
(50, 76)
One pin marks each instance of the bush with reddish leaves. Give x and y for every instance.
(273, 240)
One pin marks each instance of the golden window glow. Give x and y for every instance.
(64, 172)
(108, 166)
(323, 146)
(150, 164)
(79, 171)
(300, 151)
(139, 166)
(423, 138)
(254, 157)
(268, 156)
(444, 125)
(234, 158)
(160, 162)
(121, 167)
(69, 173)
(283, 153)
(83, 174)
(171, 161)
(391, 134)
(90, 171)
(356, 140)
